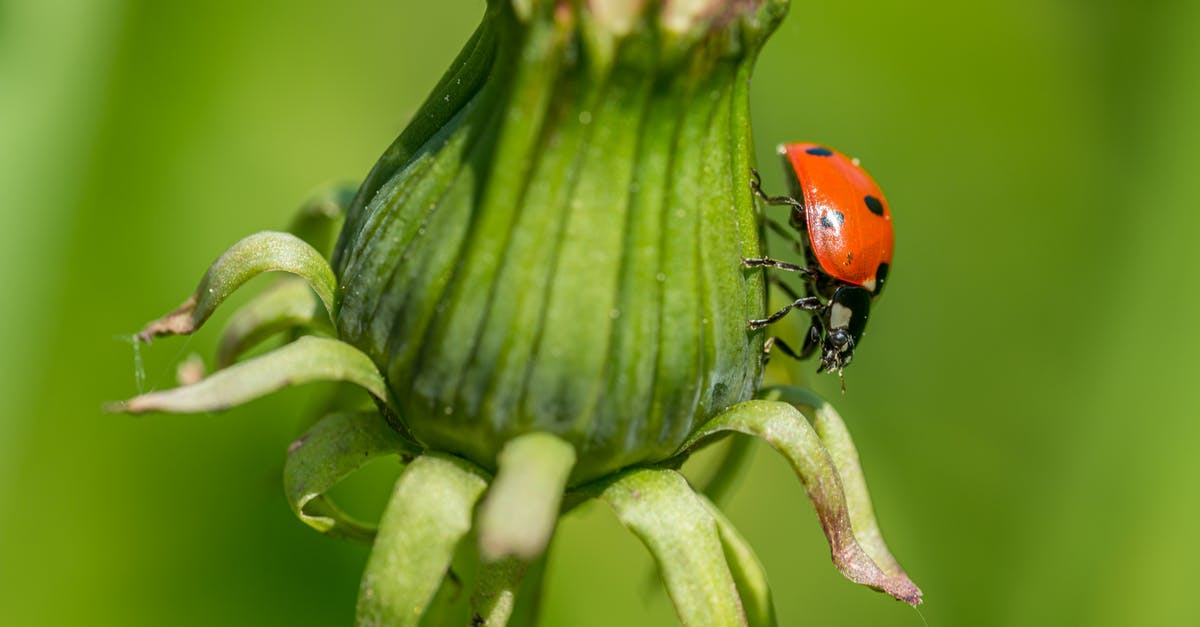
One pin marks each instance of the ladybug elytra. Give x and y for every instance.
(841, 223)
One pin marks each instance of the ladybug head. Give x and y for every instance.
(837, 351)
(846, 322)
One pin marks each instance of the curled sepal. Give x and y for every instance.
(267, 251)
(783, 427)
(428, 514)
(836, 437)
(724, 475)
(661, 509)
(288, 304)
(747, 571)
(307, 360)
(335, 447)
(320, 217)
(518, 515)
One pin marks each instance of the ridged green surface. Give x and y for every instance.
(564, 253)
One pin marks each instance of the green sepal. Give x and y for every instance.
(337, 446)
(428, 514)
(747, 571)
(267, 251)
(724, 475)
(321, 216)
(836, 437)
(287, 305)
(783, 427)
(307, 360)
(519, 513)
(661, 509)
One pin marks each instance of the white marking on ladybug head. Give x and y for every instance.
(839, 316)
(781, 149)
(869, 284)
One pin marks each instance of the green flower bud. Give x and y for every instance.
(554, 244)
(543, 275)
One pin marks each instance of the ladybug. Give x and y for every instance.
(841, 223)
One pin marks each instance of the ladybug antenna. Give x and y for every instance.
(843, 378)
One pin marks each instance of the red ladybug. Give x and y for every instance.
(842, 224)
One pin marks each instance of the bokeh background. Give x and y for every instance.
(1025, 406)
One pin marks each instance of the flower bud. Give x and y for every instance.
(555, 242)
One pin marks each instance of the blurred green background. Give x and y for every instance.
(1024, 406)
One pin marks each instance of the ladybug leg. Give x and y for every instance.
(780, 229)
(787, 289)
(808, 303)
(786, 233)
(767, 262)
(812, 341)
(775, 342)
(756, 187)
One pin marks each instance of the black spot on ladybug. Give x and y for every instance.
(874, 204)
(832, 219)
(818, 151)
(880, 277)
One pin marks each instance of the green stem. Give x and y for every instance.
(495, 593)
